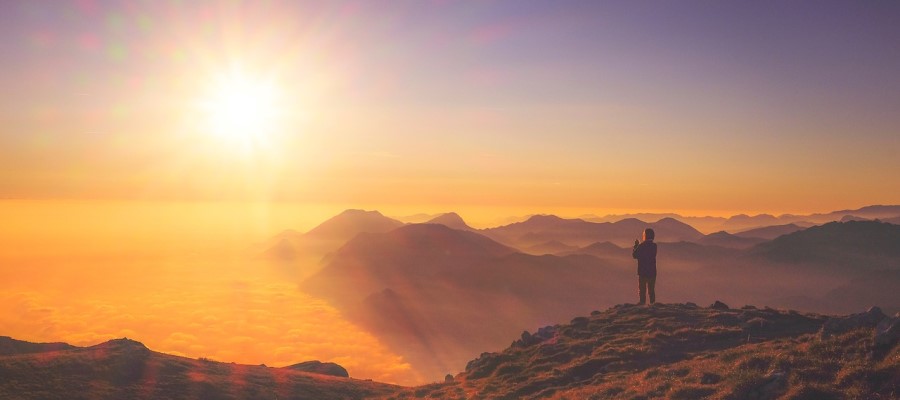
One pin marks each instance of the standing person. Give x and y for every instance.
(645, 253)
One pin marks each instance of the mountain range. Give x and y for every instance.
(743, 222)
(423, 287)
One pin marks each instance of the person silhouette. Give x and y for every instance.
(645, 252)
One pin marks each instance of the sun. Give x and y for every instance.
(241, 110)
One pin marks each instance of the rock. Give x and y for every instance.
(718, 305)
(546, 332)
(448, 378)
(691, 305)
(541, 335)
(839, 325)
(887, 332)
(318, 367)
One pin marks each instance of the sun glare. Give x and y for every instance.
(241, 110)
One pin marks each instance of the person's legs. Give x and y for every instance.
(651, 287)
(642, 289)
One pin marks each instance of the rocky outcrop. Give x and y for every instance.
(541, 335)
(839, 325)
(318, 367)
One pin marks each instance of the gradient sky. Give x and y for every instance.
(124, 214)
(607, 105)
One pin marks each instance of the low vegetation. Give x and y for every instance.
(679, 351)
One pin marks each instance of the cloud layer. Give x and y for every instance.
(223, 311)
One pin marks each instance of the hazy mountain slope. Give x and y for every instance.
(423, 289)
(687, 254)
(125, 369)
(602, 250)
(576, 232)
(725, 239)
(770, 232)
(372, 262)
(551, 247)
(679, 351)
(298, 255)
(859, 245)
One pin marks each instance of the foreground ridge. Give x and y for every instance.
(126, 369)
(683, 351)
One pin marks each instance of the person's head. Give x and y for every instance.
(649, 234)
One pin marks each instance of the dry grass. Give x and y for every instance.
(682, 352)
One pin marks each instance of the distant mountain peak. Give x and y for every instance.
(451, 220)
(352, 222)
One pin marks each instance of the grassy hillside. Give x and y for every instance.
(679, 351)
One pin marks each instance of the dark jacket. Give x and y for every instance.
(645, 253)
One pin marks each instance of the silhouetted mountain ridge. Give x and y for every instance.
(10, 346)
(126, 369)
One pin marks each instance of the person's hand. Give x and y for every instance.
(636, 242)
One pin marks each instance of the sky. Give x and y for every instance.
(593, 105)
(142, 136)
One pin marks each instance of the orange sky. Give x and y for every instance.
(450, 106)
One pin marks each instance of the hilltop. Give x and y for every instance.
(682, 351)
